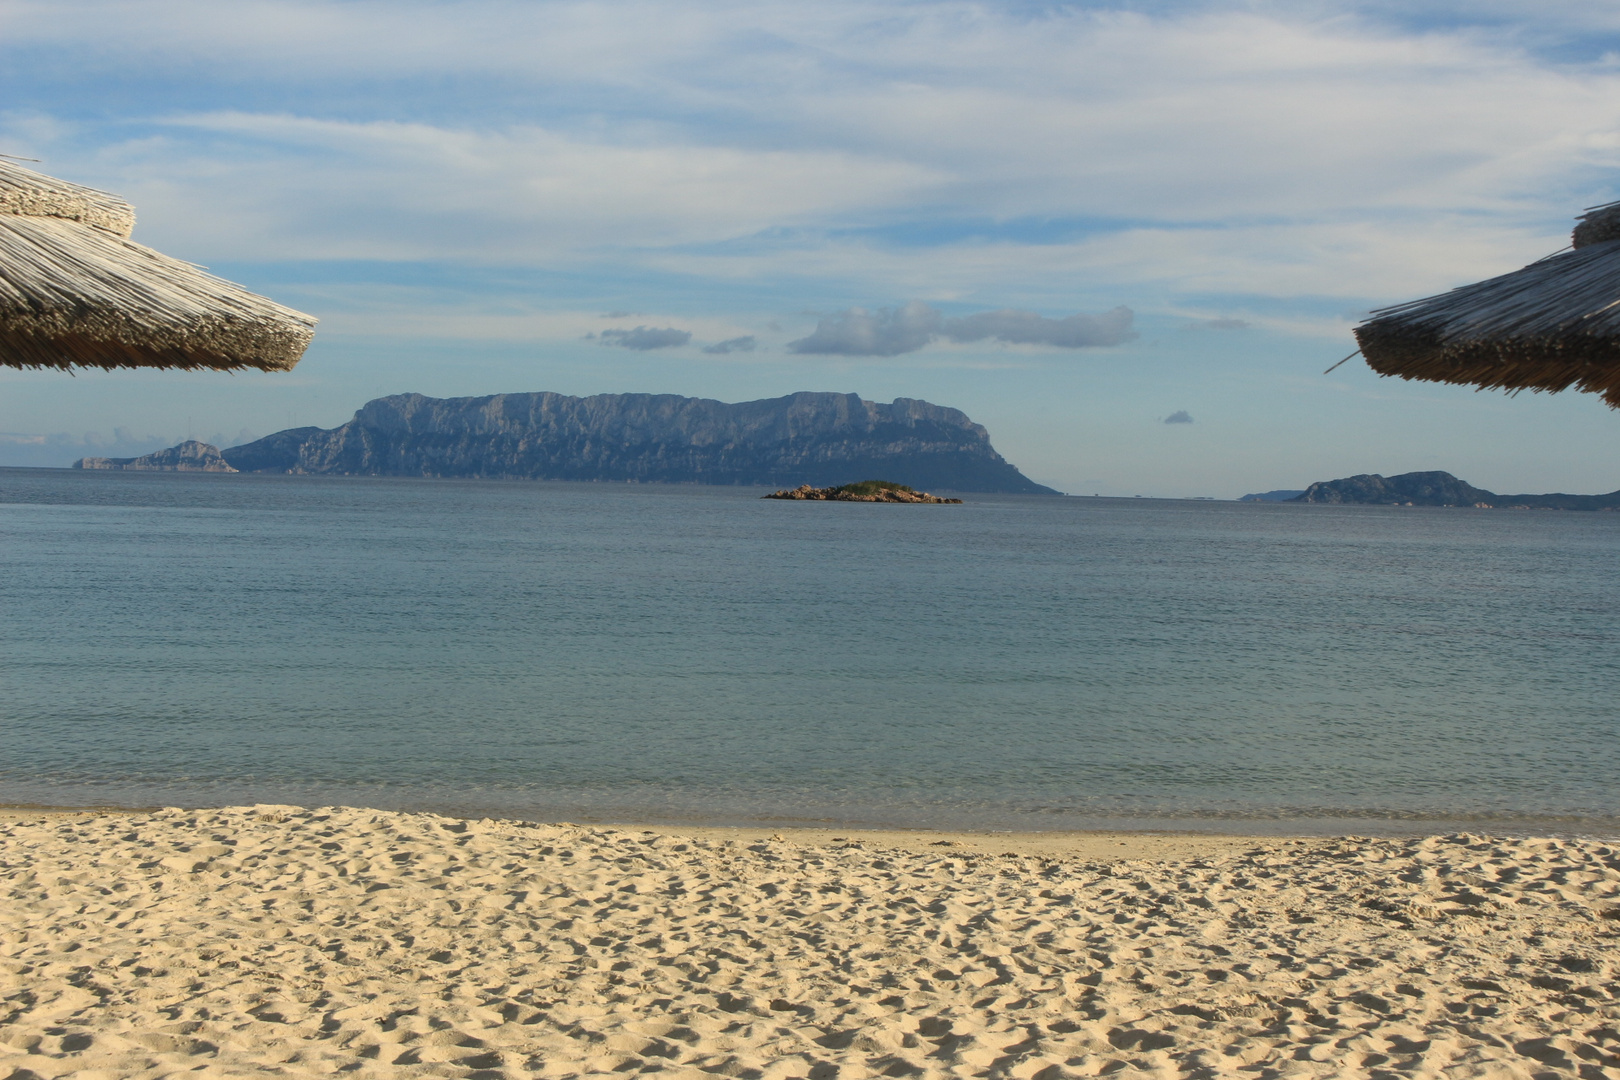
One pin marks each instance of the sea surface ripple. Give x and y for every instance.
(662, 653)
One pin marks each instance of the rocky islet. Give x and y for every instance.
(871, 491)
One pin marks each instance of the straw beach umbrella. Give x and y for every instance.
(76, 291)
(1550, 326)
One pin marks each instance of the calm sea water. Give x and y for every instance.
(596, 652)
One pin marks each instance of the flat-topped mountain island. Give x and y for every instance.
(821, 439)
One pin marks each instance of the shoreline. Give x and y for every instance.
(1154, 833)
(1155, 844)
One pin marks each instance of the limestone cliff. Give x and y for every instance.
(821, 439)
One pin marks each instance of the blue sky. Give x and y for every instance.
(480, 197)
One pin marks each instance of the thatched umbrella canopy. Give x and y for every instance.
(76, 291)
(1550, 326)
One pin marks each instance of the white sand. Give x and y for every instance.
(278, 941)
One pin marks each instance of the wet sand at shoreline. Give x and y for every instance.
(1088, 844)
(292, 942)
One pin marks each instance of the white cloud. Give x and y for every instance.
(1318, 150)
(1374, 261)
(884, 332)
(1030, 328)
(362, 312)
(905, 329)
(388, 190)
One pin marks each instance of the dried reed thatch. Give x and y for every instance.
(1552, 325)
(75, 291)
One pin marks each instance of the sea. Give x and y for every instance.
(685, 654)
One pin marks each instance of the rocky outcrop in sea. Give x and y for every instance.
(821, 438)
(190, 456)
(868, 492)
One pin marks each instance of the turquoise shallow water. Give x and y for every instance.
(597, 652)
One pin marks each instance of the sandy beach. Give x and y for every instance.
(281, 941)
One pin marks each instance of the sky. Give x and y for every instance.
(1128, 238)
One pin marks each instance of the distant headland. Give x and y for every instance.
(824, 439)
(1440, 489)
(189, 456)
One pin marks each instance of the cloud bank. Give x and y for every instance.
(893, 331)
(884, 332)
